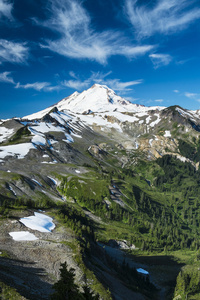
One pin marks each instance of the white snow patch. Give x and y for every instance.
(39, 222)
(148, 119)
(39, 140)
(58, 118)
(49, 162)
(140, 270)
(156, 121)
(99, 121)
(167, 133)
(23, 236)
(186, 113)
(76, 135)
(77, 171)
(182, 158)
(21, 150)
(11, 189)
(51, 142)
(54, 181)
(69, 138)
(5, 133)
(150, 142)
(136, 145)
(36, 182)
(73, 126)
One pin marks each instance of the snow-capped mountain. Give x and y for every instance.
(97, 99)
(54, 135)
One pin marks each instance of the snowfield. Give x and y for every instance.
(167, 133)
(140, 270)
(23, 236)
(5, 133)
(39, 222)
(21, 150)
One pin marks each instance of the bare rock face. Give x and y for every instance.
(112, 119)
(96, 151)
(120, 244)
(158, 146)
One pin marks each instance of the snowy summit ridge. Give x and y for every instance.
(97, 99)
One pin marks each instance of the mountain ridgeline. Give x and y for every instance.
(122, 182)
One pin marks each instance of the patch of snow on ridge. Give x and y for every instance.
(53, 180)
(39, 222)
(69, 138)
(36, 182)
(167, 133)
(5, 133)
(156, 121)
(23, 236)
(186, 113)
(150, 142)
(148, 119)
(38, 115)
(58, 118)
(11, 189)
(39, 140)
(21, 150)
(99, 121)
(140, 270)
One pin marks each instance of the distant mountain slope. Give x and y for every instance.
(118, 171)
(153, 131)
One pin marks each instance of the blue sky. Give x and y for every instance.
(147, 51)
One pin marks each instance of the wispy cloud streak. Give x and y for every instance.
(38, 86)
(100, 78)
(13, 52)
(191, 95)
(4, 77)
(79, 40)
(5, 9)
(160, 60)
(165, 17)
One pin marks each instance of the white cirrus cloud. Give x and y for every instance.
(4, 77)
(176, 91)
(79, 40)
(160, 60)
(38, 86)
(76, 84)
(159, 100)
(162, 16)
(191, 95)
(100, 78)
(13, 52)
(118, 85)
(5, 9)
